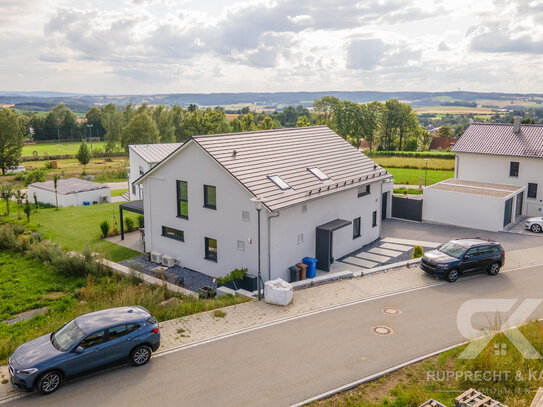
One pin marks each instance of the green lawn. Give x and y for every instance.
(410, 176)
(76, 226)
(118, 192)
(62, 148)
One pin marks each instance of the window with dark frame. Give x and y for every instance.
(211, 249)
(513, 169)
(356, 228)
(210, 197)
(532, 190)
(182, 199)
(374, 221)
(173, 233)
(364, 190)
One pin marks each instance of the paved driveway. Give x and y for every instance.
(442, 233)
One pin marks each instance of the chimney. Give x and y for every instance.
(516, 124)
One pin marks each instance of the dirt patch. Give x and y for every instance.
(26, 315)
(54, 295)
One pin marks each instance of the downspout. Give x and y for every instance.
(272, 215)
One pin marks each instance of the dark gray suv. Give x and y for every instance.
(461, 256)
(86, 343)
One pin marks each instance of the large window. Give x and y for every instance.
(211, 249)
(364, 190)
(356, 228)
(182, 199)
(513, 169)
(532, 190)
(173, 233)
(210, 197)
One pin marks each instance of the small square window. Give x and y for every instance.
(133, 189)
(364, 190)
(245, 216)
(356, 228)
(210, 197)
(513, 169)
(532, 190)
(304, 208)
(300, 238)
(141, 170)
(241, 245)
(374, 221)
(211, 249)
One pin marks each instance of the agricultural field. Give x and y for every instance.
(62, 148)
(411, 176)
(415, 162)
(75, 227)
(452, 109)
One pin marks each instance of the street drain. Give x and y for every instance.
(391, 311)
(382, 330)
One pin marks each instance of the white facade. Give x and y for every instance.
(496, 169)
(470, 210)
(138, 167)
(73, 199)
(292, 232)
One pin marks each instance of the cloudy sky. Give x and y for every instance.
(179, 46)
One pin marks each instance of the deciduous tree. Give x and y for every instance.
(140, 130)
(11, 138)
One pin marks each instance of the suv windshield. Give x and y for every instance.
(67, 336)
(452, 249)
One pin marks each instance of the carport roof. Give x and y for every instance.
(69, 186)
(477, 188)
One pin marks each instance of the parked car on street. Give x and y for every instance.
(86, 343)
(461, 256)
(534, 224)
(15, 169)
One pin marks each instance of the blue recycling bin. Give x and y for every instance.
(311, 266)
(86, 203)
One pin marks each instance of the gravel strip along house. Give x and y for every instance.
(318, 197)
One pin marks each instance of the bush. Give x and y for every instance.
(233, 275)
(141, 221)
(37, 175)
(129, 224)
(8, 240)
(417, 252)
(104, 227)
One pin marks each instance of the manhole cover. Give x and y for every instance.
(391, 311)
(382, 330)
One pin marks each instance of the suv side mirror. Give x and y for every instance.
(79, 350)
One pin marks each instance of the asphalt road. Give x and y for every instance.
(292, 361)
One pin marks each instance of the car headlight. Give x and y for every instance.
(27, 372)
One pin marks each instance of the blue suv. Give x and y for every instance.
(462, 256)
(86, 343)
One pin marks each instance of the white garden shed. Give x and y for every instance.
(70, 192)
(478, 205)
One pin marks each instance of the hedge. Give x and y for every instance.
(68, 156)
(418, 154)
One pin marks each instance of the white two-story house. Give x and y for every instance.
(142, 158)
(320, 197)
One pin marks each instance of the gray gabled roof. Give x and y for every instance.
(154, 153)
(69, 186)
(252, 157)
(499, 139)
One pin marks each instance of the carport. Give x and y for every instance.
(132, 206)
(471, 204)
(325, 240)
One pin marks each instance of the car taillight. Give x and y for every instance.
(155, 330)
(503, 254)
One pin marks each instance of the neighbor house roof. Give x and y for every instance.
(253, 158)
(499, 139)
(69, 186)
(442, 143)
(476, 188)
(154, 153)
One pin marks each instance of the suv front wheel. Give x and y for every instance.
(494, 269)
(49, 382)
(452, 275)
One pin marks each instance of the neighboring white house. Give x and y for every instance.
(320, 198)
(70, 192)
(142, 158)
(498, 178)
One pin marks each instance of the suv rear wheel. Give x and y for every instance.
(452, 275)
(140, 355)
(494, 268)
(49, 382)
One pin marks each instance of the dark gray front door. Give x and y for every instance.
(384, 205)
(508, 212)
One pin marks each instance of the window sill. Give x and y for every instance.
(182, 217)
(210, 259)
(210, 207)
(174, 238)
(356, 237)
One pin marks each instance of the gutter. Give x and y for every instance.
(272, 215)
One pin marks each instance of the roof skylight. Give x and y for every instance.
(319, 174)
(279, 182)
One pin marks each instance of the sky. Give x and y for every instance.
(208, 46)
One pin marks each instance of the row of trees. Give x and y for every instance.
(391, 125)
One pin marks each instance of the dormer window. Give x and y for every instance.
(319, 174)
(279, 182)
